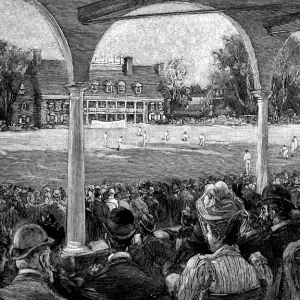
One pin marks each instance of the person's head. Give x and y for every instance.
(219, 215)
(247, 151)
(120, 229)
(31, 250)
(276, 204)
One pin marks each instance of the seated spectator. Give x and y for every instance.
(121, 278)
(30, 250)
(225, 273)
(111, 202)
(276, 206)
(152, 253)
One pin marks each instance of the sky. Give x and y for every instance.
(21, 24)
(191, 37)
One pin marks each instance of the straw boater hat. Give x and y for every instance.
(27, 239)
(120, 224)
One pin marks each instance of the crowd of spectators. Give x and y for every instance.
(159, 235)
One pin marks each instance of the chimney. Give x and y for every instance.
(128, 65)
(160, 69)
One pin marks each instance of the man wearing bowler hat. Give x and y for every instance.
(121, 278)
(276, 206)
(152, 253)
(30, 250)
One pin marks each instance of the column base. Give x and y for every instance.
(74, 248)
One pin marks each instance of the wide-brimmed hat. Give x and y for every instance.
(148, 223)
(217, 203)
(120, 224)
(277, 194)
(27, 239)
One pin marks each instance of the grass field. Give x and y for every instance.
(40, 158)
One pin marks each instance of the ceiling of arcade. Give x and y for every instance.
(83, 39)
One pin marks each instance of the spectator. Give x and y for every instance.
(31, 252)
(121, 278)
(152, 253)
(111, 202)
(224, 272)
(276, 206)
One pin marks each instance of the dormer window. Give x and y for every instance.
(22, 89)
(108, 87)
(121, 87)
(137, 88)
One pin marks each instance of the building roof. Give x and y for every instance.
(145, 75)
(52, 76)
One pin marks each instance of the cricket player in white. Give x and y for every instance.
(144, 139)
(105, 139)
(201, 140)
(247, 159)
(120, 142)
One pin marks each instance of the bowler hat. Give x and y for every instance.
(120, 224)
(27, 239)
(278, 195)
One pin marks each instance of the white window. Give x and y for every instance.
(22, 89)
(121, 87)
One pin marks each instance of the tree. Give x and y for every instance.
(173, 86)
(233, 74)
(14, 62)
(286, 79)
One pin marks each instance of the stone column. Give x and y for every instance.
(76, 238)
(262, 140)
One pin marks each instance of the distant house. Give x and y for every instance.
(122, 91)
(54, 103)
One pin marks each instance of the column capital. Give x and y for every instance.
(260, 95)
(77, 87)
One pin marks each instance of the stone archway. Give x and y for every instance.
(59, 36)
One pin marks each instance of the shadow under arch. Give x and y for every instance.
(59, 36)
(187, 6)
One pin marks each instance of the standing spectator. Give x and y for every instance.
(120, 142)
(30, 250)
(166, 135)
(105, 139)
(284, 152)
(296, 142)
(247, 159)
(185, 136)
(145, 138)
(139, 131)
(201, 140)
(293, 147)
